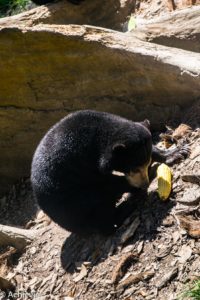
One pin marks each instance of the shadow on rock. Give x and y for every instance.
(19, 206)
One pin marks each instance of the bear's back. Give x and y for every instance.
(70, 150)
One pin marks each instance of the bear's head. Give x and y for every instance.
(131, 154)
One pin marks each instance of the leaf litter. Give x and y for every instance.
(152, 256)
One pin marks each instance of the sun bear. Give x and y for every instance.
(74, 169)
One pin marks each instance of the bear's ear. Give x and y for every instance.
(146, 123)
(118, 148)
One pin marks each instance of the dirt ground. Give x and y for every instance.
(154, 255)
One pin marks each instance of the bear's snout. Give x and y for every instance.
(139, 178)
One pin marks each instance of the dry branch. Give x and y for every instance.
(122, 266)
(191, 225)
(16, 237)
(135, 278)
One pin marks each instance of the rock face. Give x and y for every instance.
(180, 29)
(105, 13)
(49, 71)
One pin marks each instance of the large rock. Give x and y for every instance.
(105, 13)
(49, 71)
(180, 29)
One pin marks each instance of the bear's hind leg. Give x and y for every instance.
(83, 212)
(99, 212)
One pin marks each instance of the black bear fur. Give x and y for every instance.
(73, 169)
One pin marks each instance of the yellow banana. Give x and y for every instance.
(164, 177)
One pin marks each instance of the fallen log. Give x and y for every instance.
(16, 237)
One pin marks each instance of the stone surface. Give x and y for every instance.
(105, 13)
(48, 71)
(180, 29)
(154, 8)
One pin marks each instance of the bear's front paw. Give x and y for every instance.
(181, 152)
